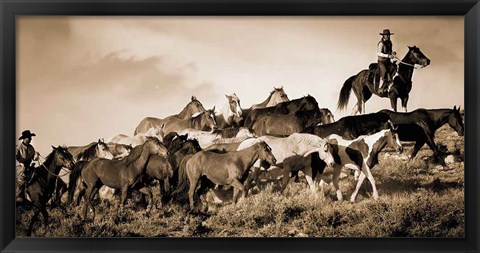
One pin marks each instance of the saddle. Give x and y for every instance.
(373, 74)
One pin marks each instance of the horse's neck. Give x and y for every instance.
(404, 70)
(185, 113)
(195, 122)
(376, 146)
(248, 157)
(440, 117)
(141, 162)
(264, 103)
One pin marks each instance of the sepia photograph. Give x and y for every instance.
(240, 126)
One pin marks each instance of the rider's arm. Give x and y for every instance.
(379, 51)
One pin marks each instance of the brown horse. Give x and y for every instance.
(222, 168)
(42, 185)
(204, 121)
(277, 96)
(118, 174)
(193, 107)
(286, 124)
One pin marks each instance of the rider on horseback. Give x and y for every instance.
(24, 155)
(385, 54)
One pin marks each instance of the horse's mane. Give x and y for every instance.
(134, 154)
(88, 153)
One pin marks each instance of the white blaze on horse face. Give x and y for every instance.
(103, 152)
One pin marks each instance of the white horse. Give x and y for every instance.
(228, 135)
(360, 155)
(230, 113)
(138, 139)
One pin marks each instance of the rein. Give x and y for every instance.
(51, 173)
(408, 64)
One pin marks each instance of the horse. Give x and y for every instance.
(202, 121)
(85, 153)
(326, 116)
(351, 127)
(206, 138)
(420, 126)
(174, 139)
(286, 124)
(193, 107)
(361, 154)
(119, 150)
(139, 139)
(222, 168)
(42, 185)
(363, 83)
(118, 174)
(293, 145)
(230, 114)
(301, 104)
(276, 96)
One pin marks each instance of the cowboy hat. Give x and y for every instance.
(26, 134)
(386, 32)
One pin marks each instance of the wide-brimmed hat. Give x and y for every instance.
(26, 134)
(386, 32)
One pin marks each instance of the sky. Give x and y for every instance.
(84, 78)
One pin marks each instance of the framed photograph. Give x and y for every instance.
(270, 126)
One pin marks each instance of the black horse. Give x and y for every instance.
(42, 185)
(363, 83)
(301, 104)
(351, 127)
(421, 124)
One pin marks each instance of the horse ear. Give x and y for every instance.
(54, 147)
(213, 109)
(409, 47)
(194, 98)
(458, 108)
(228, 97)
(454, 107)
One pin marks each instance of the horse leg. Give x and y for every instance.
(240, 188)
(418, 145)
(355, 109)
(308, 177)
(436, 152)
(365, 173)
(191, 191)
(285, 179)
(254, 176)
(393, 101)
(123, 197)
(81, 193)
(86, 202)
(147, 191)
(404, 103)
(32, 222)
(337, 169)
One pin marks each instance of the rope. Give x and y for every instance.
(408, 64)
(43, 166)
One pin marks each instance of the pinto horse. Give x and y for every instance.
(301, 104)
(193, 107)
(42, 185)
(351, 127)
(286, 124)
(118, 174)
(230, 114)
(364, 86)
(420, 126)
(222, 169)
(361, 154)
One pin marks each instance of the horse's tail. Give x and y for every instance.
(183, 182)
(345, 93)
(74, 176)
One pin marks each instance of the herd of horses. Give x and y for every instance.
(198, 149)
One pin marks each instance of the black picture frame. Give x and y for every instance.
(470, 9)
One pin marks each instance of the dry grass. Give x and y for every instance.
(416, 200)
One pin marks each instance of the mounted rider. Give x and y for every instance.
(385, 53)
(24, 155)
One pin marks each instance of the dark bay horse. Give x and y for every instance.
(222, 168)
(276, 96)
(286, 124)
(351, 127)
(301, 104)
(420, 126)
(118, 174)
(363, 83)
(193, 107)
(42, 185)
(327, 116)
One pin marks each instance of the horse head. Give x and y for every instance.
(194, 106)
(415, 56)
(155, 146)
(265, 153)
(277, 96)
(327, 116)
(62, 157)
(103, 151)
(208, 120)
(393, 140)
(234, 105)
(455, 121)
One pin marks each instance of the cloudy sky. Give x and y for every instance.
(84, 78)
